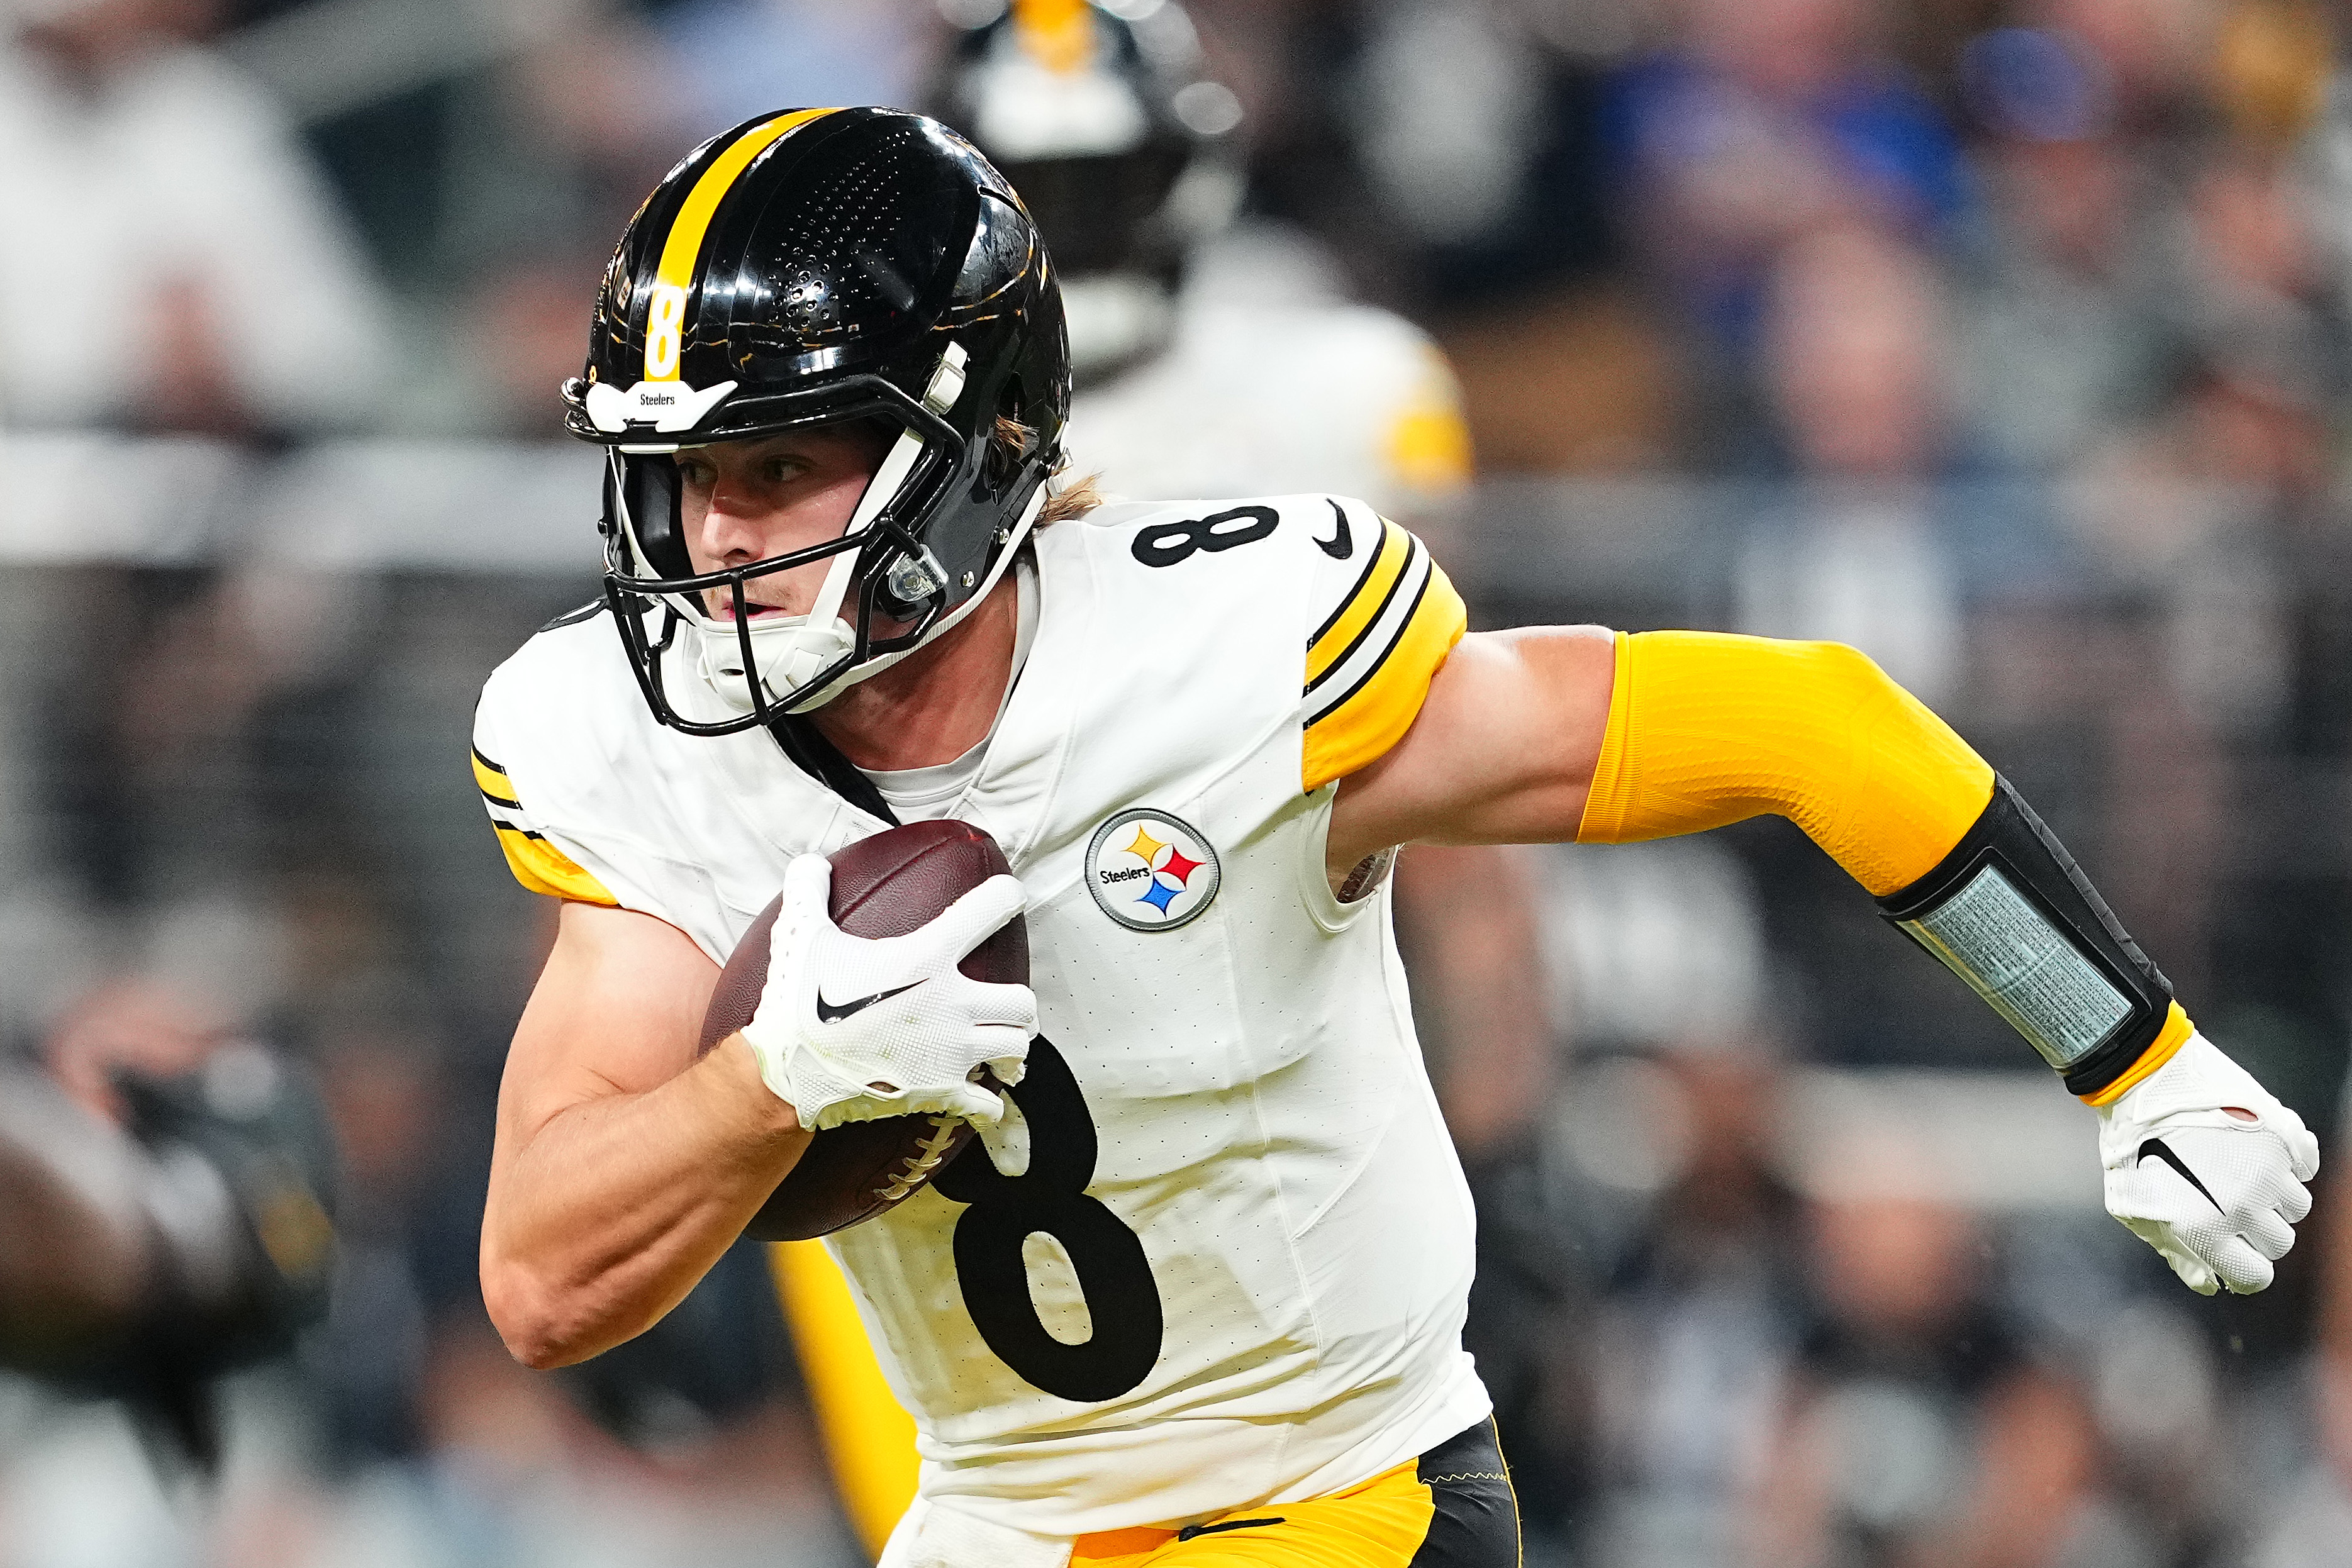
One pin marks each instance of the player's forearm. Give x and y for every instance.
(608, 1214)
(1705, 729)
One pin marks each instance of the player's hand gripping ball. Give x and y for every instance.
(886, 995)
(2206, 1167)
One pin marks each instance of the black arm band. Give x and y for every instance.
(2010, 913)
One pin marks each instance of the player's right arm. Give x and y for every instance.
(623, 1166)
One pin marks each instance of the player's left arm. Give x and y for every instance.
(1546, 735)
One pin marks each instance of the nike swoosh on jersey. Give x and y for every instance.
(2156, 1146)
(1342, 544)
(827, 1013)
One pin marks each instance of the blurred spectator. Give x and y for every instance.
(1854, 363)
(175, 263)
(2267, 333)
(736, 58)
(1689, 1351)
(1447, 150)
(582, 120)
(2157, 54)
(1760, 122)
(2066, 325)
(1905, 1384)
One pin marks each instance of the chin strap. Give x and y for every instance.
(814, 755)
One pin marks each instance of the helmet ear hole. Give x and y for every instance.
(650, 487)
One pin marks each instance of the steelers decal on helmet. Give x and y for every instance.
(1151, 871)
(659, 396)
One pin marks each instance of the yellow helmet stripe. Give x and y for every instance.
(676, 271)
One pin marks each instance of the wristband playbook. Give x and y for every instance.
(2010, 913)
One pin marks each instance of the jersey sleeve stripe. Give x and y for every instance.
(1372, 564)
(1364, 604)
(1375, 709)
(493, 780)
(538, 864)
(541, 867)
(1339, 683)
(1355, 673)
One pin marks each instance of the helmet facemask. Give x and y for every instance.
(884, 593)
(816, 268)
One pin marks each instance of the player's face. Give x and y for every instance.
(744, 501)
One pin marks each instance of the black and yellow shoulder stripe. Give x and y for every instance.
(1369, 664)
(536, 864)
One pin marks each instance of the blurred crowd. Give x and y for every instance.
(2005, 339)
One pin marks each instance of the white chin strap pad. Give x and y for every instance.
(788, 652)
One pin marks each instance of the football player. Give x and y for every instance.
(1119, 145)
(1196, 1296)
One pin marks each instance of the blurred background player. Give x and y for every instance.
(1217, 355)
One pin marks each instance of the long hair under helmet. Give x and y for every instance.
(820, 266)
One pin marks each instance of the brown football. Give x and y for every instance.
(887, 886)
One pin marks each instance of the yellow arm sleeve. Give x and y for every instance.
(1707, 730)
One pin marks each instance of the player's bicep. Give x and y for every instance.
(617, 1010)
(1501, 752)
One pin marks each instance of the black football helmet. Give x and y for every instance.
(1103, 115)
(817, 266)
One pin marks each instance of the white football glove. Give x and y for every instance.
(2218, 1196)
(853, 1028)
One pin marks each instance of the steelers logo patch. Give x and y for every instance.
(1149, 871)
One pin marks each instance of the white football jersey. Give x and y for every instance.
(1233, 1264)
(1256, 397)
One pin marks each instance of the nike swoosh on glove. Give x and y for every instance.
(850, 1027)
(2218, 1197)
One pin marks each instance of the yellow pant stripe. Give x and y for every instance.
(869, 1439)
(1706, 728)
(1380, 1523)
